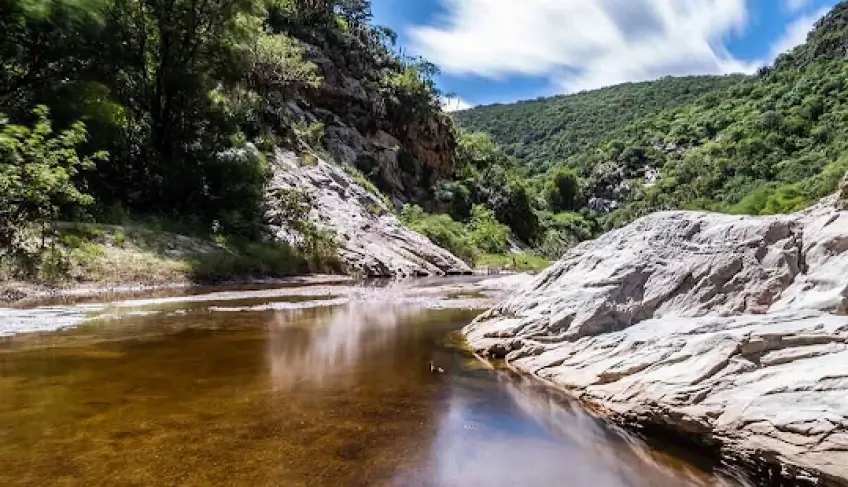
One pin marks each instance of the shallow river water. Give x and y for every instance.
(297, 387)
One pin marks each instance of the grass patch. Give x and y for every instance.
(244, 260)
(516, 262)
(101, 254)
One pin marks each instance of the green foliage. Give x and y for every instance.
(441, 229)
(311, 134)
(486, 234)
(37, 167)
(455, 198)
(520, 262)
(488, 177)
(468, 241)
(248, 259)
(562, 190)
(538, 132)
(563, 231)
(44, 43)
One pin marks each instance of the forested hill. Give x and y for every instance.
(769, 143)
(772, 143)
(546, 131)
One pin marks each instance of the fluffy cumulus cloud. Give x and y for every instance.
(584, 44)
(455, 103)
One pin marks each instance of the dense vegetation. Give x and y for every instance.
(545, 131)
(119, 111)
(134, 111)
(770, 143)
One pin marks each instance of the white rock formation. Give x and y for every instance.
(372, 240)
(729, 330)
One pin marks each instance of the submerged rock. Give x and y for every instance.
(372, 241)
(730, 330)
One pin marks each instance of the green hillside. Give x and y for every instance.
(770, 144)
(545, 131)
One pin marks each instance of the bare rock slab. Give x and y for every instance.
(729, 329)
(372, 241)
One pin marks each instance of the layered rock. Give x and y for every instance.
(729, 330)
(405, 150)
(372, 241)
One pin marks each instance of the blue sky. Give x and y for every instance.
(494, 51)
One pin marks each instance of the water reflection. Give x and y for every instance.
(303, 352)
(333, 390)
(507, 430)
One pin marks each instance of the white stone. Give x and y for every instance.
(372, 241)
(730, 327)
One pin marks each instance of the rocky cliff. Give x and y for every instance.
(403, 143)
(371, 239)
(372, 113)
(729, 330)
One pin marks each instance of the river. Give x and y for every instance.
(314, 386)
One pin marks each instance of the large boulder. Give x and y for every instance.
(372, 241)
(725, 329)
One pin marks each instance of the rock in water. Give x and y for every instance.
(372, 240)
(729, 329)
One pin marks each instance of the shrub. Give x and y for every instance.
(487, 235)
(442, 230)
(37, 168)
(562, 190)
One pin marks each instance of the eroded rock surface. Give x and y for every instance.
(842, 199)
(372, 240)
(730, 330)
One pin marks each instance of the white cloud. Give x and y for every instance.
(794, 6)
(795, 33)
(584, 44)
(454, 104)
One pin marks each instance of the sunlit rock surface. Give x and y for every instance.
(371, 238)
(729, 330)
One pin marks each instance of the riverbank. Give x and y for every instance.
(86, 260)
(79, 260)
(74, 306)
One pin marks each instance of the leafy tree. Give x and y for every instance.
(45, 43)
(486, 234)
(37, 167)
(562, 190)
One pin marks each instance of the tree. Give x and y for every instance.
(487, 234)
(562, 190)
(37, 168)
(45, 43)
(168, 58)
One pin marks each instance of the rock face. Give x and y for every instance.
(842, 198)
(730, 330)
(372, 240)
(406, 150)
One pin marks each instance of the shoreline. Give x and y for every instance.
(759, 468)
(28, 294)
